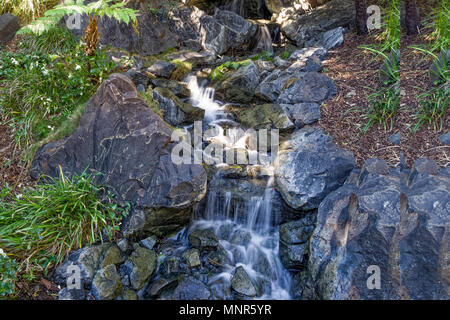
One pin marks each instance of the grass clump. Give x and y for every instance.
(44, 223)
(183, 68)
(26, 10)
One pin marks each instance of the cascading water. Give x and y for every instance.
(245, 223)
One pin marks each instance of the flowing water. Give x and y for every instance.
(245, 224)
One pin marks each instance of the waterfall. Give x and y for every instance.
(203, 97)
(262, 40)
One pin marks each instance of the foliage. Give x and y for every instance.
(440, 37)
(183, 68)
(384, 103)
(26, 10)
(265, 56)
(43, 83)
(218, 73)
(8, 274)
(55, 217)
(434, 109)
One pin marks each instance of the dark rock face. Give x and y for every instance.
(189, 288)
(122, 138)
(311, 27)
(242, 284)
(240, 86)
(388, 220)
(9, 25)
(303, 113)
(309, 167)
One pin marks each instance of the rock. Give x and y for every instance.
(9, 25)
(132, 150)
(276, 6)
(138, 77)
(140, 88)
(310, 87)
(149, 242)
(281, 63)
(170, 266)
(445, 138)
(242, 284)
(106, 284)
(86, 260)
(309, 167)
(294, 237)
(123, 245)
(113, 256)
(189, 288)
(162, 69)
(266, 116)
(377, 220)
(305, 53)
(241, 237)
(129, 295)
(180, 89)
(192, 258)
(140, 266)
(203, 239)
(161, 285)
(175, 111)
(195, 58)
(329, 40)
(439, 66)
(311, 27)
(302, 113)
(71, 294)
(240, 86)
(395, 138)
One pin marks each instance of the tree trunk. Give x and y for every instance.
(411, 17)
(361, 17)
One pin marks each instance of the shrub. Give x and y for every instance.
(26, 10)
(46, 222)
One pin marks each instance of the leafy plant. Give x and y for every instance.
(434, 109)
(110, 8)
(62, 214)
(384, 103)
(26, 10)
(8, 274)
(218, 73)
(439, 38)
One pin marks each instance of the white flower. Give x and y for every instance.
(45, 72)
(2, 253)
(77, 67)
(14, 61)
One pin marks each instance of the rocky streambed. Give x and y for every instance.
(302, 223)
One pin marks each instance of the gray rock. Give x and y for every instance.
(188, 288)
(309, 167)
(132, 150)
(9, 25)
(162, 69)
(310, 87)
(149, 242)
(242, 284)
(138, 77)
(203, 239)
(180, 89)
(266, 116)
(329, 40)
(140, 88)
(305, 53)
(175, 111)
(160, 285)
(71, 294)
(240, 86)
(445, 138)
(192, 258)
(241, 237)
(140, 266)
(106, 284)
(123, 245)
(395, 138)
(302, 113)
(113, 255)
(311, 27)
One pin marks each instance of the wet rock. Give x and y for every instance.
(140, 266)
(9, 25)
(266, 116)
(309, 87)
(175, 111)
(242, 284)
(170, 266)
(241, 237)
(309, 167)
(302, 113)
(203, 239)
(189, 288)
(123, 245)
(129, 295)
(132, 150)
(106, 284)
(161, 285)
(311, 27)
(149, 242)
(113, 256)
(192, 258)
(240, 86)
(220, 289)
(162, 69)
(445, 138)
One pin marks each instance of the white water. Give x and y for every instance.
(258, 251)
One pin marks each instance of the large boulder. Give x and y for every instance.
(131, 146)
(387, 223)
(310, 28)
(240, 86)
(309, 166)
(9, 25)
